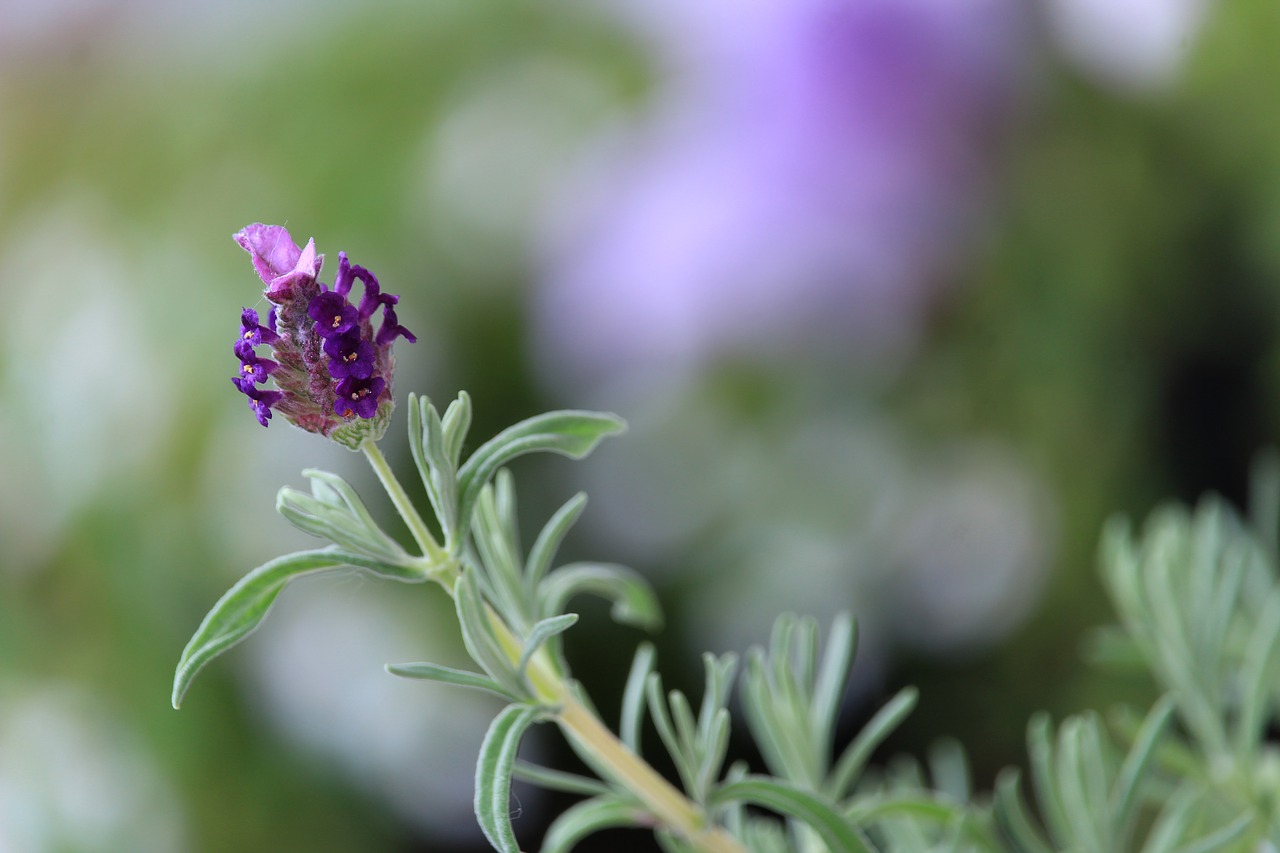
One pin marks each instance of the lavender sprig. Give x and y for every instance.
(333, 370)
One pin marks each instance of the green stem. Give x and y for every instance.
(669, 806)
(421, 534)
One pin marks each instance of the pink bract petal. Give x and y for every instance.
(277, 259)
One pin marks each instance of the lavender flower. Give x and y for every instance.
(332, 368)
(332, 313)
(251, 366)
(391, 328)
(350, 356)
(260, 401)
(359, 396)
(255, 333)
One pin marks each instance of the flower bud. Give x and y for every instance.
(331, 367)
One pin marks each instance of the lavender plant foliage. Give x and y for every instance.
(1198, 595)
(332, 368)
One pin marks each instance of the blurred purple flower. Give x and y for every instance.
(811, 166)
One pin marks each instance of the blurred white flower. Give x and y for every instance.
(83, 378)
(945, 547)
(72, 778)
(1133, 44)
(317, 673)
(971, 551)
(508, 136)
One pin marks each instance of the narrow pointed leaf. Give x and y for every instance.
(449, 675)
(493, 774)
(457, 422)
(326, 521)
(436, 469)
(241, 610)
(1125, 788)
(828, 688)
(558, 780)
(568, 433)
(808, 808)
(634, 602)
(633, 697)
(925, 807)
(548, 542)
(1012, 819)
(479, 638)
(324, 482)
(584, 818)
(405, 569)
(541, 632)
(1219, 839)
(856, 755)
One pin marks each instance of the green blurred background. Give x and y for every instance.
(1101, 336)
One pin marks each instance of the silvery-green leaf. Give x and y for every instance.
(493, 774)
(241, 610)
(805, 806)
(1220, 838)
(457, 422)
(634, 602)
(558, 780)
(633, 697)
(1012, 819)
(334, 511)
(540, 633)
(479, 637)
(1124, 790)
(856, 754)
(436, 469)
(588, 816)
(449, 675)
(568, 433)
(548, 542)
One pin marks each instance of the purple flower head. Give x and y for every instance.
(332, 370)
(251, 366)
(332, 313)
(359, 396)
(254, 333)
(349, 356)
(281, 265)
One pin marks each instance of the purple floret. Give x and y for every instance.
(373, 295)
(251, 366)
(391, 328)
(349, 356)
(332, 313)
(342, 284)
(255, 333)
(359, 396)
(260, 401)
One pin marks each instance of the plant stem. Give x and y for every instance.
(421, 534)
(672, 809)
